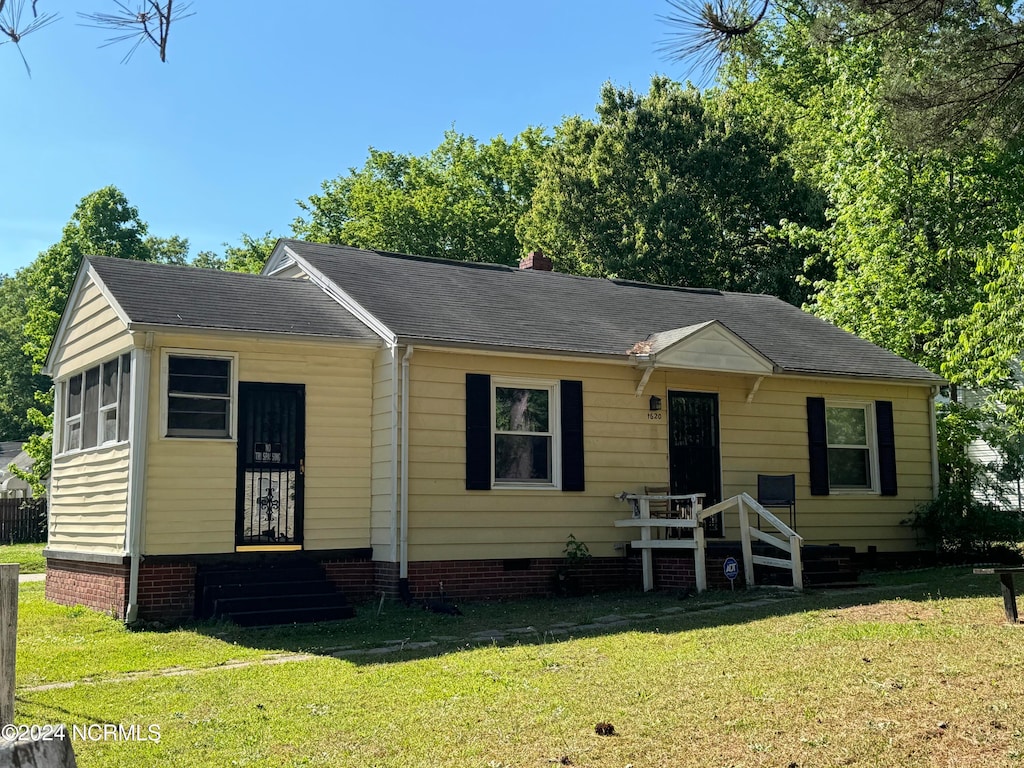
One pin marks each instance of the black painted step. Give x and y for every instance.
(232, 605)
(211, 593)
(291, 592)
(292, 616)
(310, 572)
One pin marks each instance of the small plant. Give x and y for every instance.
(569, 578)
(576, 552)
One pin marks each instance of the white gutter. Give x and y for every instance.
(403, 567)
(138, 432)
(393, 558)
(933, 437)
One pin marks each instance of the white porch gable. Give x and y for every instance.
(708, 346)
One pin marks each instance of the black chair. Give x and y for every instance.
(778, 491)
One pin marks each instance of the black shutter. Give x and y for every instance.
(572, 435)
(817, 445)
(886, 448)
(478, 432)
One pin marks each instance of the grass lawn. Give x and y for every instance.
(919, 671)
(28, 556)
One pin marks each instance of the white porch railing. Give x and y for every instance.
(690, 517)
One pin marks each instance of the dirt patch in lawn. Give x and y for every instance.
(898, 612)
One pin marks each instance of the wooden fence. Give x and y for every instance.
(22, 521)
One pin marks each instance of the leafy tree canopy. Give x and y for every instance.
(668, 187)
(957, 74)
(460, 201)
(906, 226)
(250, 255)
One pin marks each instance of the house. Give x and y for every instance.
(407, 422)
(12, 486)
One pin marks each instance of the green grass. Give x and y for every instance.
(28, 556)
(920, 671)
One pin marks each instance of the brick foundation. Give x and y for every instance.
(167, 591)
(484, 579)
(167, 585)
(356, 579)
(100, 586)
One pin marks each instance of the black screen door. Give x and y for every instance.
(695, 461)
(271, 453)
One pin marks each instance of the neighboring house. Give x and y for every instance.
(12, 486)
(408, 421)
(1003, 487)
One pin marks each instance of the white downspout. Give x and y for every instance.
(393, 556)
(138, 432)
(933, 436)
(403, 567)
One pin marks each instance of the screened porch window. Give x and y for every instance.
(96, 405)
(198, 397)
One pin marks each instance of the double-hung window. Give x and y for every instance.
(96, 405)
(851, 447)
(850, 433)
(199, 396)
(524, 433)
(525, 436)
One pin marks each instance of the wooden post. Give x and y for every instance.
(8, 639)
(646, 556)
(798, 568)
(1009, 597)
(700, 567)
(745, 543)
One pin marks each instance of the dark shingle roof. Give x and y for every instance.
(187, 297)
(498, 306)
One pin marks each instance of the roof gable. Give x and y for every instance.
(161, 295)
(84, 281)
(708, 346)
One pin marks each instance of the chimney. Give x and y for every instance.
(537, 261)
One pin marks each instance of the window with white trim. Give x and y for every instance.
(525, 433)
(199, 395)
(96, 405)
(851, 446)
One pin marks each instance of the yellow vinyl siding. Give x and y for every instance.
(190, 484)
(625, 449)
(380, 535)
(89, 501)
(94, 333)
(448, 522)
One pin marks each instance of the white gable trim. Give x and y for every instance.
(283, 256)
(708, 346)
(85, 272)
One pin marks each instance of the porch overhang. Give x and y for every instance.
(707, 346)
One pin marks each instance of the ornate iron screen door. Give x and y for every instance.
(695, 459)
(271, 452)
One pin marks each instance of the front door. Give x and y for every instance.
(271, 454)
(695, 460)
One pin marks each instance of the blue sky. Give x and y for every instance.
(256, 105)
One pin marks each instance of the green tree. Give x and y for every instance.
(18, 383)
(460, 201)
(991, 338)
(669, 187)
(958, 72)
(906, 225)
(250, 255)
(103, 224)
